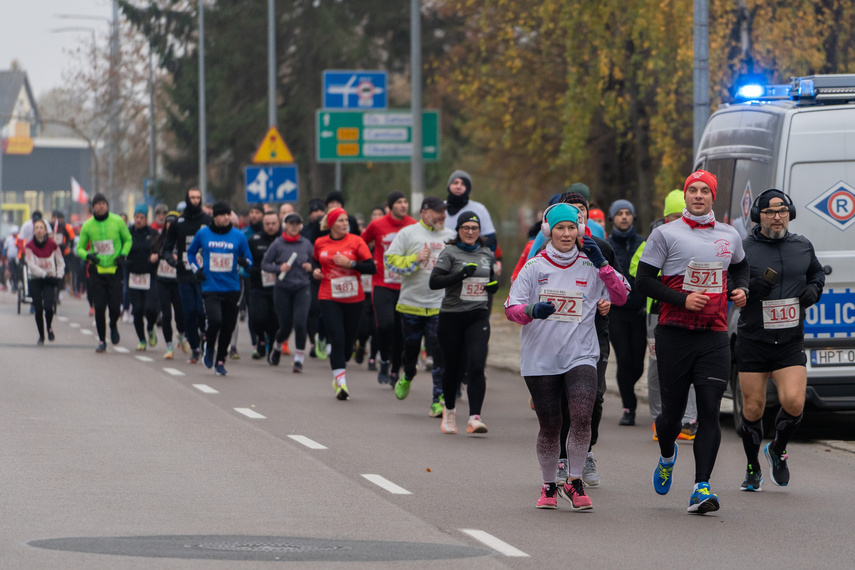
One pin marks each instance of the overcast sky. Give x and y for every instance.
(25, 35)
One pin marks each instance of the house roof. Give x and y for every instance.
(11, 81)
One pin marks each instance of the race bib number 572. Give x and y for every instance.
(568, 304)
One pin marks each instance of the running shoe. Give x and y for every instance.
(383, 374)
(449, 421)
(298, 368)
(628, 418)
(340, 391)
(274, 356)
(393, 380)
(436, 408)
(703, 500)
(548, 499)
(663, 476)
(753, 479)
(779, 473)
(208, 361)
(114, 335)
(91, 311)
(195, 356)
(655, 437)
(402, 388)
(102, 347)
(285, 350)
(359, 353)
(184, 344)
(262, 349)
(590, 475)
(221, 369)
(372, 365)
(233, 353)
(141, 347)
(563, 472)
(688, 431)
(170, 354)
(50, 336)
(312, 352)
(41, 341)
(574, 492)
(320, 349)
(255, 355)
(152, 338)
(475, 425)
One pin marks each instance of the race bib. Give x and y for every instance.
(366, 283)
(165, 270)
(344, 287)
(473, 289)
(568, 304)
(221, 262)
(104, 247)
(59, 238)
(45, 263)
(392, 278)
(781, 313)
(703, 277)
(141, 281)
(268, 279)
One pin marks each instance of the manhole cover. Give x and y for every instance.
(264, 548)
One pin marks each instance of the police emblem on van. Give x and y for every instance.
(836, 206)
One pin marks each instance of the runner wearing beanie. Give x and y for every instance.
(459, 187)
(343, 258)
(263, 322)
(465, 271)
(386, 286)
(555, 298)
(597, 229)
(167, 293)
(700, 260)
(142, 264)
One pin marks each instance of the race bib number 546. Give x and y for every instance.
(568, 304)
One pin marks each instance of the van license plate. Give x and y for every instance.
(832, 357)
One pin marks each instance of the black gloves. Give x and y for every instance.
(592, 250)
(491, 287)
(809, 296)
(468, 270)
(120, 259)
(243, 262)
(200, 276)
(759, 287)
(171, 261)
(541, 310)
(92, 258)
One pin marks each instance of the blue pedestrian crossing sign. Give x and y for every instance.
(271, 183)
(355, 90)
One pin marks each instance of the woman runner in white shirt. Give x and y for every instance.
(555, 297)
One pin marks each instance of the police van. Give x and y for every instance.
(799, 138)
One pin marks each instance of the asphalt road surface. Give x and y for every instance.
(124, 460)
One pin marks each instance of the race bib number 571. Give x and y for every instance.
(703, 277)
(568, 304)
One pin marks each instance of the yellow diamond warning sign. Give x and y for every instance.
(273, 149)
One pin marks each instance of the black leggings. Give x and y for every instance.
(263, 323)
(390, 335)
(368, 327)
(597, 413)
(579, 385)
(628, 332)
(144, 304)
(463, 339)
(43, 293)
(685, 358)
(169, 298)
(106, 290)
(342, 323)
(221, 309)
(292, 311)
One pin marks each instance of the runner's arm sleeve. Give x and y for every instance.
(244, 251)
(633, 264)
(648, 284)
(738, 274)
(366, 267)
(492, 285)
(491, 240)
(441, 278)
(195, 245)
(82, 243)
(60, 263)
(539, 240)
(616, 284)
(268, 262)
(127, 241)
(815, 274)
(395, 259)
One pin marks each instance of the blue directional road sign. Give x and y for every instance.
(271, 183)
(355, 90)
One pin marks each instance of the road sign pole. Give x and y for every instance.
(338, 175)
(203, 158)
(271, 64)
(417, 165)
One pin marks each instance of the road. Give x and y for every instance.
(124, 460)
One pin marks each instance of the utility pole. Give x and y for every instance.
(152, 151)
(417, 165)
(114, 95)
(203, 147)
(271, 63)
(701, 71)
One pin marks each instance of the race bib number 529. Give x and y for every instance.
(568, 304)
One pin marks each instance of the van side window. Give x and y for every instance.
(723, 170)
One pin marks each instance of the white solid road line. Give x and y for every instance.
(311, 444)
(144, 358)
(121, 349)
(250, 413)
(204, 388)
(173, 371)
(85, 331)
(499, 546)
(381, 481)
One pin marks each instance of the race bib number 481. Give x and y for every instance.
(703, 277)
(568, 304)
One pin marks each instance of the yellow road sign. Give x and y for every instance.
(273, 149)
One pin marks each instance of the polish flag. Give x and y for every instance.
(78, 194)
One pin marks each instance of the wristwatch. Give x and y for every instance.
(353, 264)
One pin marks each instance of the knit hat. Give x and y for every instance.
(293, 218)
(562, 213)
(619, 205)
(703, 176)
(336, 196)
(581, 188)
(316, 204)
(464, 176)
(675, 202)
(467, 216)
(393, 197)
(221, 208)
(767, 196)
(334, 215)
(141, 209)
(574, 198)
(597, 215)
(172, 216)
(99, 198)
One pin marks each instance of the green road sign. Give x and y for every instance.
(373, 136)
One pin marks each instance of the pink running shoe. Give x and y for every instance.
(548, 497)
(574, 492)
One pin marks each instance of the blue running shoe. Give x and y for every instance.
(703, 500)
(209, 359)
(221, 369)
(663, 476)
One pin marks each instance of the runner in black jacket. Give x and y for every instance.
(262, 315)
(141, 265)
(786, 278)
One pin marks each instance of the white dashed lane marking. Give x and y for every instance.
(205, 388)
(311, 444)
(85, 331)
(74, 325)
(384, 483)
(121, 349)
(173, 371)
(493, 542)
(250, 413)
(144, 358)
(63, 319)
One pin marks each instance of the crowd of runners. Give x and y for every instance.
(395, 289)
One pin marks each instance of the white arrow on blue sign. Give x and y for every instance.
(271, 183)
(355, 90)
